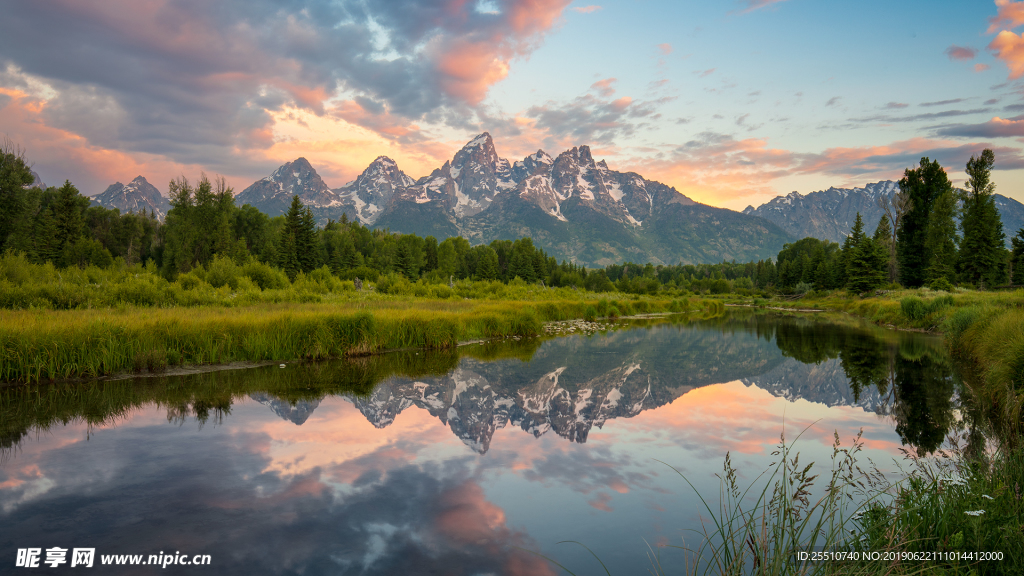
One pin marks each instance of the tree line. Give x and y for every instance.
(58, 225)
(917, 242)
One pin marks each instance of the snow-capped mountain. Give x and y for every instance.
(830, 214)
(137, 196)
(367, 196)
(574, 207)
(273, 194)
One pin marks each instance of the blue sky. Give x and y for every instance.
(732, 103)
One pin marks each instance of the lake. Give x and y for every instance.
(457, 462)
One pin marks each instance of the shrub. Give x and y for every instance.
(941, 283)
(265, 276)
(913, 308)
(590, 314)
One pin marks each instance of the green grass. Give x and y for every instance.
(38, 345)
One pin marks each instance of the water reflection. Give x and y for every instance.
(362, 466)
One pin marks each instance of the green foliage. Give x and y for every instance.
(982, 255)
(15, 175)
(941, 283)
(941, 240)
(923, 185)
(866, 262)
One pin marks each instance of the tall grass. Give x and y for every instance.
(40, 345)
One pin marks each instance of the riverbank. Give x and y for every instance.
(39, 345)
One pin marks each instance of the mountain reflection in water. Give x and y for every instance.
(571, 385)
(361, 466)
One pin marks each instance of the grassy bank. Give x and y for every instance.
(45, 344)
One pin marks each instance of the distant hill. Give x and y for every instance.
(829, 214)
(136, 196)
(574, 207)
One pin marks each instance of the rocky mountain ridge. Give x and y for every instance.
(137, 196)
(830, 214)
(573, 206)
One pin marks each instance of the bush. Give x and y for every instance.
(265, 276)
(913, 308)
(590, 314)
(941, 283)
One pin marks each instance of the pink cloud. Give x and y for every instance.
(665, 48)
(981, 67)
(587, 9)
(1009, 15)
(604, 87)
(1009, 48)
(960, 53)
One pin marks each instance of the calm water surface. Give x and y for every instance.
(454, 463)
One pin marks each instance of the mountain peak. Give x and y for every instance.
(481, 140)
(138, 196)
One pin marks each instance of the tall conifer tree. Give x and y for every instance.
(922, 185)
(941, 240)
(865, 265)
(982, 257)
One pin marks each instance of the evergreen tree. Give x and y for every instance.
(1017, 258)
(941, 240)
(865, 267)
(15, 174)
(521, 264)
(883, 238)
(922, 185)
(487, 263)
(67, 213)
(982, 256)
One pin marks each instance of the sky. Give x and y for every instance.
(731, 102)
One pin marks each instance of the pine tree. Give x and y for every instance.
(865, 267)
(922, 185)
(487, 266)
(1017, 258)
(941, 240)
(883, 237)
(982, 255)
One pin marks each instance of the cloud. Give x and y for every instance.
(604, 87)
(720, 169)
(943, 102)
(201, 83)
(995, 128)
(1009, 48)
(665, 48)
(960, 53)
(586, 9)
(833, 100)
(896, 105)
(590, 119)
(1009, 15)
(920, 117)
(981, 67)
(705, 73)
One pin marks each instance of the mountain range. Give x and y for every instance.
(829, 214)
(576, 208)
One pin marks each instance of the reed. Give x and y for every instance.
(37, 345)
